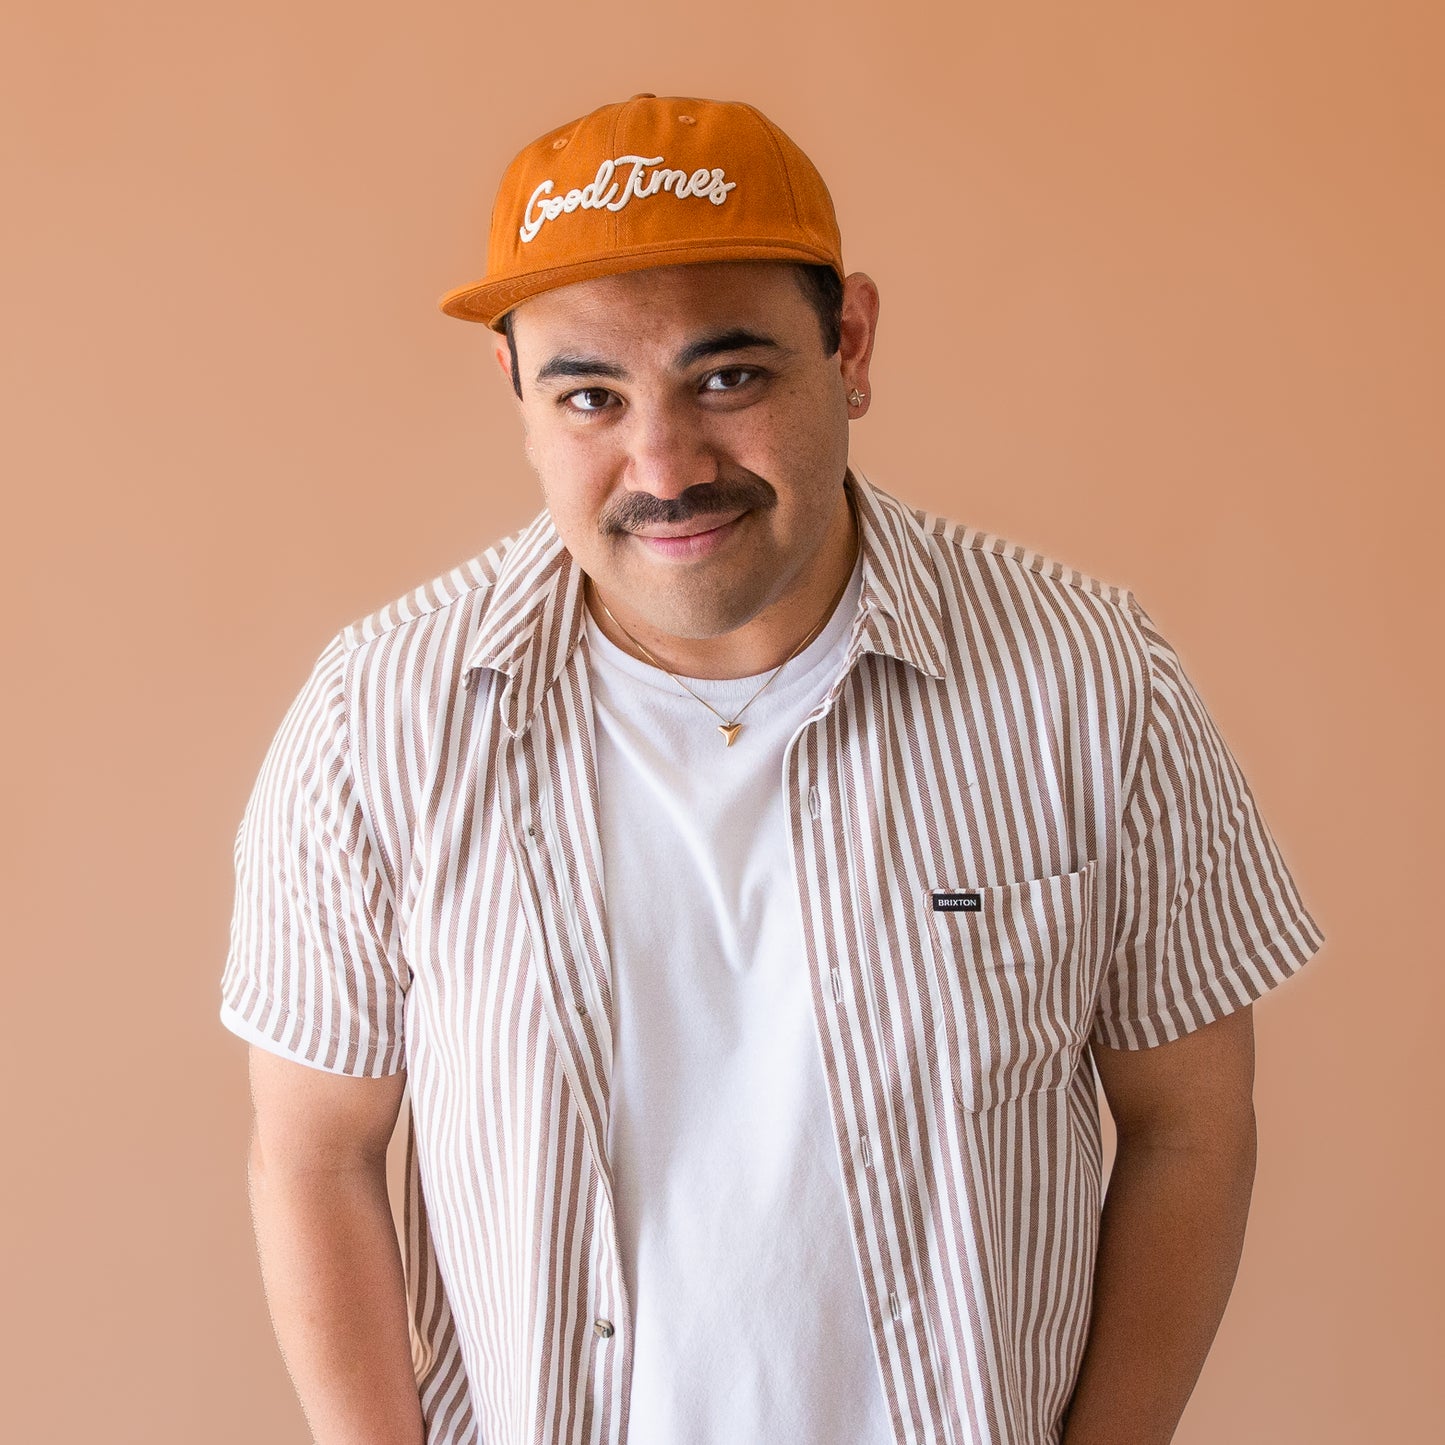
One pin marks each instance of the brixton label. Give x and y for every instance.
(964, 901)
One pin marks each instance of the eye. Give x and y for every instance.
(590, 399)
(730, 378)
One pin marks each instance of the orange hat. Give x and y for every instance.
(652, 181)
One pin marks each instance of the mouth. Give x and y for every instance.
(691, 543)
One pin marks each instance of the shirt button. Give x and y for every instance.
(603, 1328)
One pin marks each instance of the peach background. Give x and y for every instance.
(1162, 296)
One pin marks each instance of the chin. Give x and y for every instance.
(690, 617)
(690, 623)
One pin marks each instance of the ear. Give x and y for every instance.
(504, 358)
(859, 327)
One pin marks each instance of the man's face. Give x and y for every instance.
(661, 404)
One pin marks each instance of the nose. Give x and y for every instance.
(668, 452)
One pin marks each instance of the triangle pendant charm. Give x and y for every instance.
(730, 731)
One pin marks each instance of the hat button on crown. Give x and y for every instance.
(644, 95)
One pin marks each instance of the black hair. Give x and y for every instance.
(822, 286)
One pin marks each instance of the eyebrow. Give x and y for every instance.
(737, 339)
(564, 365)
(719, 343)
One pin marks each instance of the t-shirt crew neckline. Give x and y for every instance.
(722, 690)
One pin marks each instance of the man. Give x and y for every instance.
(752, 877)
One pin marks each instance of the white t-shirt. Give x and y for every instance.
(749, 1315)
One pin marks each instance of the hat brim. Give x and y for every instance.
(488, 300)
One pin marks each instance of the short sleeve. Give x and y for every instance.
(1208, 917)
(314, 970)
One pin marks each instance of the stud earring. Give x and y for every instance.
(855, 397)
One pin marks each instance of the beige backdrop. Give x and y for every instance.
(1162, 296)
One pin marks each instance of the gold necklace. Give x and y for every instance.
(731, 727)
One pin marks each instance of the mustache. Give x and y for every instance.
(642, 509)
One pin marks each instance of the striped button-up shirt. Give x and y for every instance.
(1016, 833)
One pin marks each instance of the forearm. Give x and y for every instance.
(337, 1295)
(1171, 1235)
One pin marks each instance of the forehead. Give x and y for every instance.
(666, 304)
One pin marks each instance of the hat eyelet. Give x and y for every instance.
(558, 144)
(688, 119)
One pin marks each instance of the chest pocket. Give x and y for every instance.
(1014, 978)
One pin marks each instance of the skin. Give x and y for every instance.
(637, 436)
(676, 444)
(329, 1257)
(1172, 1229)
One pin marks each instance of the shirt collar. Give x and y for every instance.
(536, 611)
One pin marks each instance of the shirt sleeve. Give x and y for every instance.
(1208, 917)
(314, 970)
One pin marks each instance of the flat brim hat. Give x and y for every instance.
(651, 181)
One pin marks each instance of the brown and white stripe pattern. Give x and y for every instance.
(419, 887)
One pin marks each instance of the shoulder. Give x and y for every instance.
(964, 551)
(427, 606)
(399, 667)
(984, 575)
(1024, 619)
(449, 605)
(999, 603)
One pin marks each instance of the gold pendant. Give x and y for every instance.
(730, 731)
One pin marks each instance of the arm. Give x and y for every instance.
(328, 1247)
(1172, 1228)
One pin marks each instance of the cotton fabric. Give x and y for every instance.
(748, 1319)
(420, 886)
